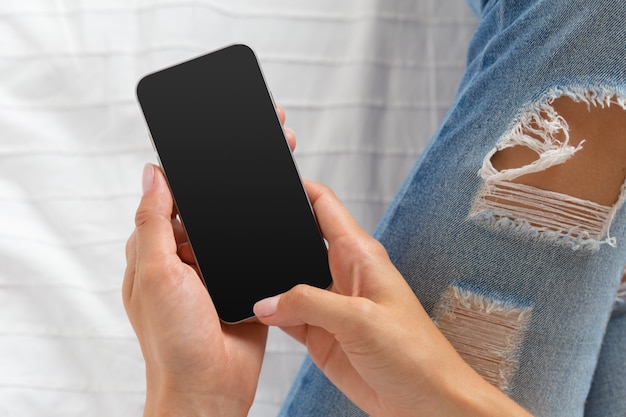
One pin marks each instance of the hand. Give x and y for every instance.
(370, 335)
(193, 362)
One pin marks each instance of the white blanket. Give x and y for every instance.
(364, 84)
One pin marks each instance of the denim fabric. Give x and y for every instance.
(607, 397)
(522, 55)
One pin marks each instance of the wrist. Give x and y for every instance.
(193, 405)
(163, 401)
(478, 398)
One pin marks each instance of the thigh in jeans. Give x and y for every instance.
(511, 227)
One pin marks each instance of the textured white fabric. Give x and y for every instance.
(364, 84)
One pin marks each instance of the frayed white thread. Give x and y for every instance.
(547, 211)
(555, 215)
(536, 130)
(601, 97)
(486, 331)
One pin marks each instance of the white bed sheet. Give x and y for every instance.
(364, 84)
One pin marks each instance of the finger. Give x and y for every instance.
(179, 231)
(153, 225)
(281, 114)
(186, 254)
(334, 219)
(308, 305)
(291, 138)
(289, 133)
(182, 242)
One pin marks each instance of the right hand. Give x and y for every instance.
(371, 336)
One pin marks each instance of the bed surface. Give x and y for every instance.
(364, 85)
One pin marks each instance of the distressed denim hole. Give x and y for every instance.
(559, 172)
(486, 331)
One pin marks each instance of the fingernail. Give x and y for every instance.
(148, 177)
(266, 307)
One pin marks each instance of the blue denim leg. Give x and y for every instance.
(537, 286)
(607, 397)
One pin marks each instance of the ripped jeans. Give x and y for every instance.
(523, 275)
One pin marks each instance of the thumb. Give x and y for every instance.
(308, 305)
(345, 336)
(154, 232)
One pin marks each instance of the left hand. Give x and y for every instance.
(195, 365)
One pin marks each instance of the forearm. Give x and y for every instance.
(475, 397)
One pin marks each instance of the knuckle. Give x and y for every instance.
(302, 298)
(299, 294)
(362, 250)
(157, 276)
(366, 309)
(142, 216)
(375, 248)
(365, 317)
(325, 192)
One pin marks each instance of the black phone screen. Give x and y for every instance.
(234, 181)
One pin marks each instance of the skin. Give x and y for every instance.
(369, 333)
(602, 160)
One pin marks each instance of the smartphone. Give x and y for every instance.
(218, 139)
